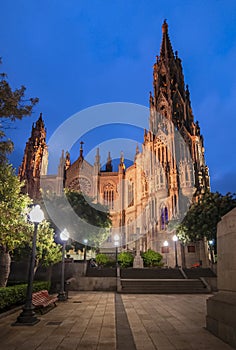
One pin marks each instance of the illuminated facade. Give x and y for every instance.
(168, 173)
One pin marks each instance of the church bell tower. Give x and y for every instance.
(35, 160)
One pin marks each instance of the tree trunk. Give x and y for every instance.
(5, 264)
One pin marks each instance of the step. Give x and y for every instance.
(170, 286)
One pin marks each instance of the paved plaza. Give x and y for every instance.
(109, 321)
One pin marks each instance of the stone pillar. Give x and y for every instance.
(221, 308)
(138, 260)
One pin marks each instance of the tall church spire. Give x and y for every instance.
(169, 97)
(166, 47)
(171, 100)
(34, 162)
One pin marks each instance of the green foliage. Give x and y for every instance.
(13, 106)
(103, 259)
(152, 258)
(48, 252)
(94, 214)
(125, 259)
(15, 295)
(14, 228)
(202, 218)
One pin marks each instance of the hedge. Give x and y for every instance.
(15, 295)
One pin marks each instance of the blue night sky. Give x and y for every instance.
(74, 54)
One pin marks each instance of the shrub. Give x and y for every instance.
(102, 259)
(15, 295)
(125, 259)
(152, 258)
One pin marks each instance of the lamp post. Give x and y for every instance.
(116, 242)
(64, 237)
(27, 316)
(166, 244)
(211, 243)
(175, 239)
(85, 248)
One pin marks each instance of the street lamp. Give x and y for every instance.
(116, 242)
(166, 244)
(64, 235)
(85, 248)
(175, 239)
(27, 316)
(211, 243)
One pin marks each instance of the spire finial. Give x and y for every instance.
(81, 149)
(164, 27)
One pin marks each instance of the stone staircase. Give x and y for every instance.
(163, 286)
(164, 281)
(151, 273)
(199, 272)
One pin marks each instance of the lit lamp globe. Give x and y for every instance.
(175, 238)
(36, 215)
(116, 239)
(166, 244)
(64, 235)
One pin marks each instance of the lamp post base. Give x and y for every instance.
(26, 318)
(62, 296)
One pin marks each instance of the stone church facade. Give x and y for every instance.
(167, 174)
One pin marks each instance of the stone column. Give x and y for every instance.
(138, 260)
(221, 308)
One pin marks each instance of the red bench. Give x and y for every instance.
(42, 299)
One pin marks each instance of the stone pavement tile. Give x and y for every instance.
(50, 343)
(106, 346)
(107, 332)
(74, 325)
(170, 322)
(69, 342)
(203, 340)
(87, 344)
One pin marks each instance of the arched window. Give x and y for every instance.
(164, 218)
(108, 195)
(130, 194)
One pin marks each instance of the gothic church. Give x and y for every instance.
(166, 176)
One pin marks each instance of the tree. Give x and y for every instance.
(15, 231)
(48, 252)
(14, 228)
(13, 106)
(94, 218)
(202, 217)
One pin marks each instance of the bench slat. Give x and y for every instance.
(43, 299)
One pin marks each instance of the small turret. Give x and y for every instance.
(81, 157)
(122, 163)
(109, 163)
